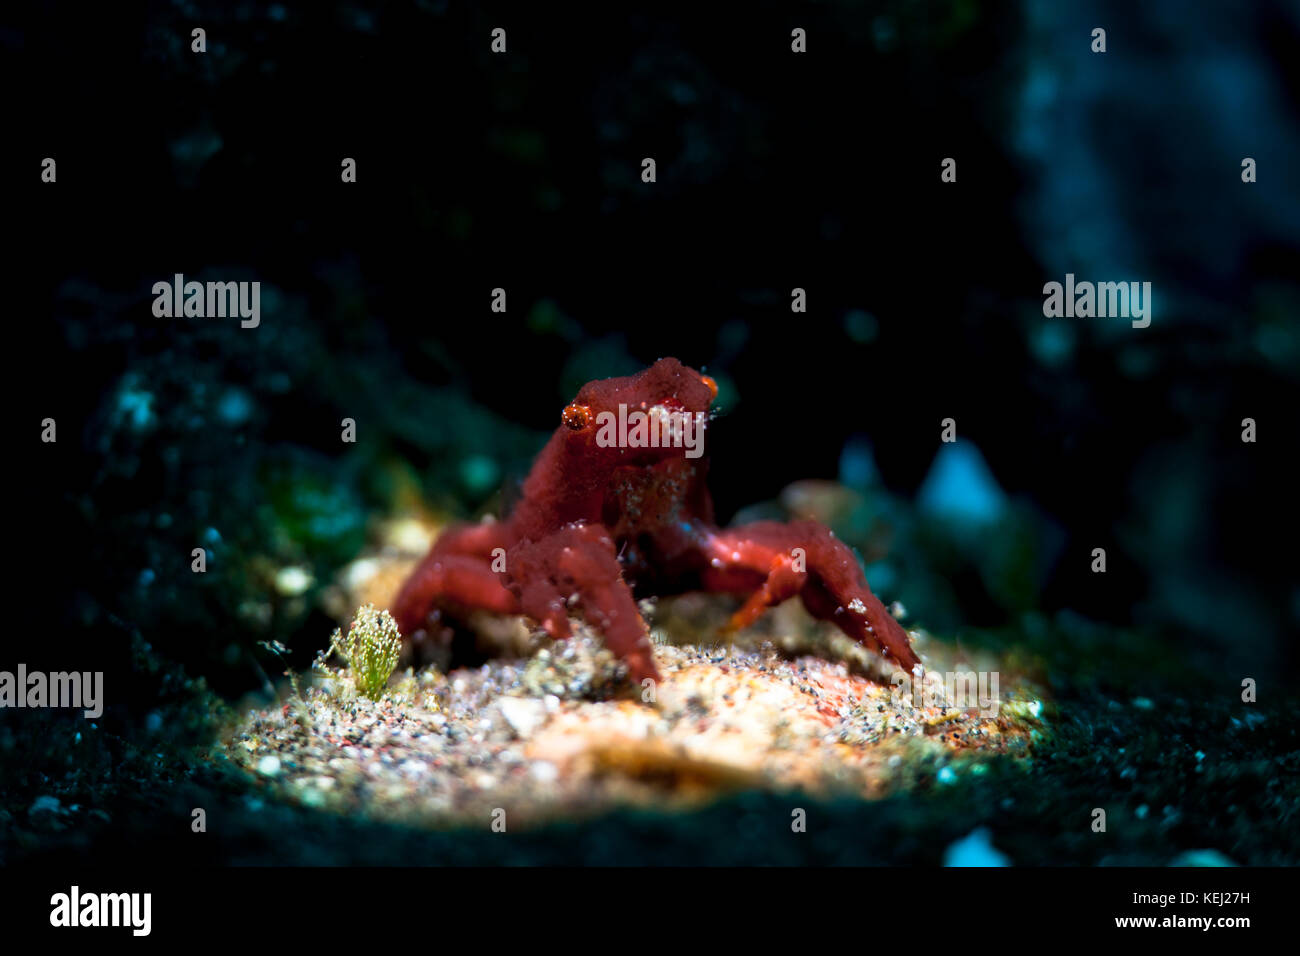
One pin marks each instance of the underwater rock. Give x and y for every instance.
(1201, 858)
(960, 487)
(975, 849)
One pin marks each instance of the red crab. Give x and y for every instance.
(605, 519)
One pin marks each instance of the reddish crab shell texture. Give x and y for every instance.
(603, 523)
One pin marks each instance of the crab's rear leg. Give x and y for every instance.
(578, 565)
(776, 561)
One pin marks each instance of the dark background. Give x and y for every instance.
(775, 170)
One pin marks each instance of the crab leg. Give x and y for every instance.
(776, 561)
(458, 569)
(578, 565)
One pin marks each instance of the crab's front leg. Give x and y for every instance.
(776, 561)
(578, 565)
(457, 570)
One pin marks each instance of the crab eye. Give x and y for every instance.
(713, 386)
(576, 417)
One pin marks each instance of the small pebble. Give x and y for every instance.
(1201, 858)
(543, 771)
(45, 804)
(269, 766)
(524, 714)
